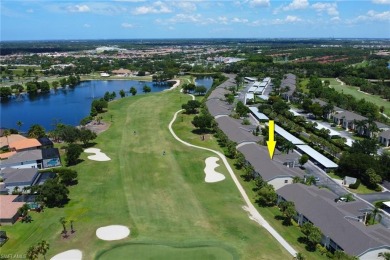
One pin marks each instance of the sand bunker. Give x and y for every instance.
(98, 156)
(113, 232)
(211, 174)
(73, 254)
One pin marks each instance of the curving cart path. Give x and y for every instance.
(253, 213)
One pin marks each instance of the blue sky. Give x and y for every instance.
(135, 19)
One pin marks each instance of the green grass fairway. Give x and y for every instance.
(163, 199)
(346, 89)
(156, 252)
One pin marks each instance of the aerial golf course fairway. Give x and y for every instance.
(163, 199)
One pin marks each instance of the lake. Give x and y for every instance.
(69, 106)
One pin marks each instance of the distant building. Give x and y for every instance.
(104, 74)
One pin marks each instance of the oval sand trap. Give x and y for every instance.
(211, 174)
(113, 232)
(98, 155)
(73, 254)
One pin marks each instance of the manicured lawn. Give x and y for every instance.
(303, 85)
(155, 251)
(362, 189)
(163, 199)
(346, 89)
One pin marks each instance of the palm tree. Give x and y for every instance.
(373, 215)
(7, 133)
(63, 222)
(360, 125)
(299, 256)
(19, 124)
(288, 146)
(32, 253)
(43, 247)
(71, 226)
(372, 127)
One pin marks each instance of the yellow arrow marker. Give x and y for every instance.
(271, 143)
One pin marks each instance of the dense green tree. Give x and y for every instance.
(146, 89)
(36, 131)
(241, 109)
(133, 91)
(191, 107)
(365, 146)
(122, 93)
(67, 176)
(5, 92)
(202, 122)
(99, 105)
(373, 179)
(69, 134)
(304, 159)
(201, 90)
(267, 195)
(86, 135)
(73, 152)
(52, 193)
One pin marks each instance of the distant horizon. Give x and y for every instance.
(26, 20)
(204, 38)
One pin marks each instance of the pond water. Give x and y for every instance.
(69, 106)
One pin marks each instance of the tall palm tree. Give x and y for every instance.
(372, 127)
(360, 126)
(43, 247)
(7, 133)
(19, 124)
(63, 222)
(32, 253)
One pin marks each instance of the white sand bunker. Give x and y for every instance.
(73, 254)
(113, 232)
(98, 156)
(211, 174)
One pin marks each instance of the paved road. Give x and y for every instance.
(253, 213)
(376, 196)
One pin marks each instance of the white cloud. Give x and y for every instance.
(292, 19)
(171, 28)
(130, 1)
(223, 20)
(187, 18)
(374, 16)
(239, 20)
(155, 8)
(296, 4)
(261, 3)
(288, 19)
(78, 8)
(381, 2)
(127, 25)
(185, 6)
(335, 19)
(29, 10)
(86, 25)
(329, 8)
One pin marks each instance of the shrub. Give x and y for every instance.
(355, 185)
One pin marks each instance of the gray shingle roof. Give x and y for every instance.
(319, 207)
(11, 175)
(235, 130)
(269, 169)
(218, 107)
(385, 134)
(31, 155)
(349, 116)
